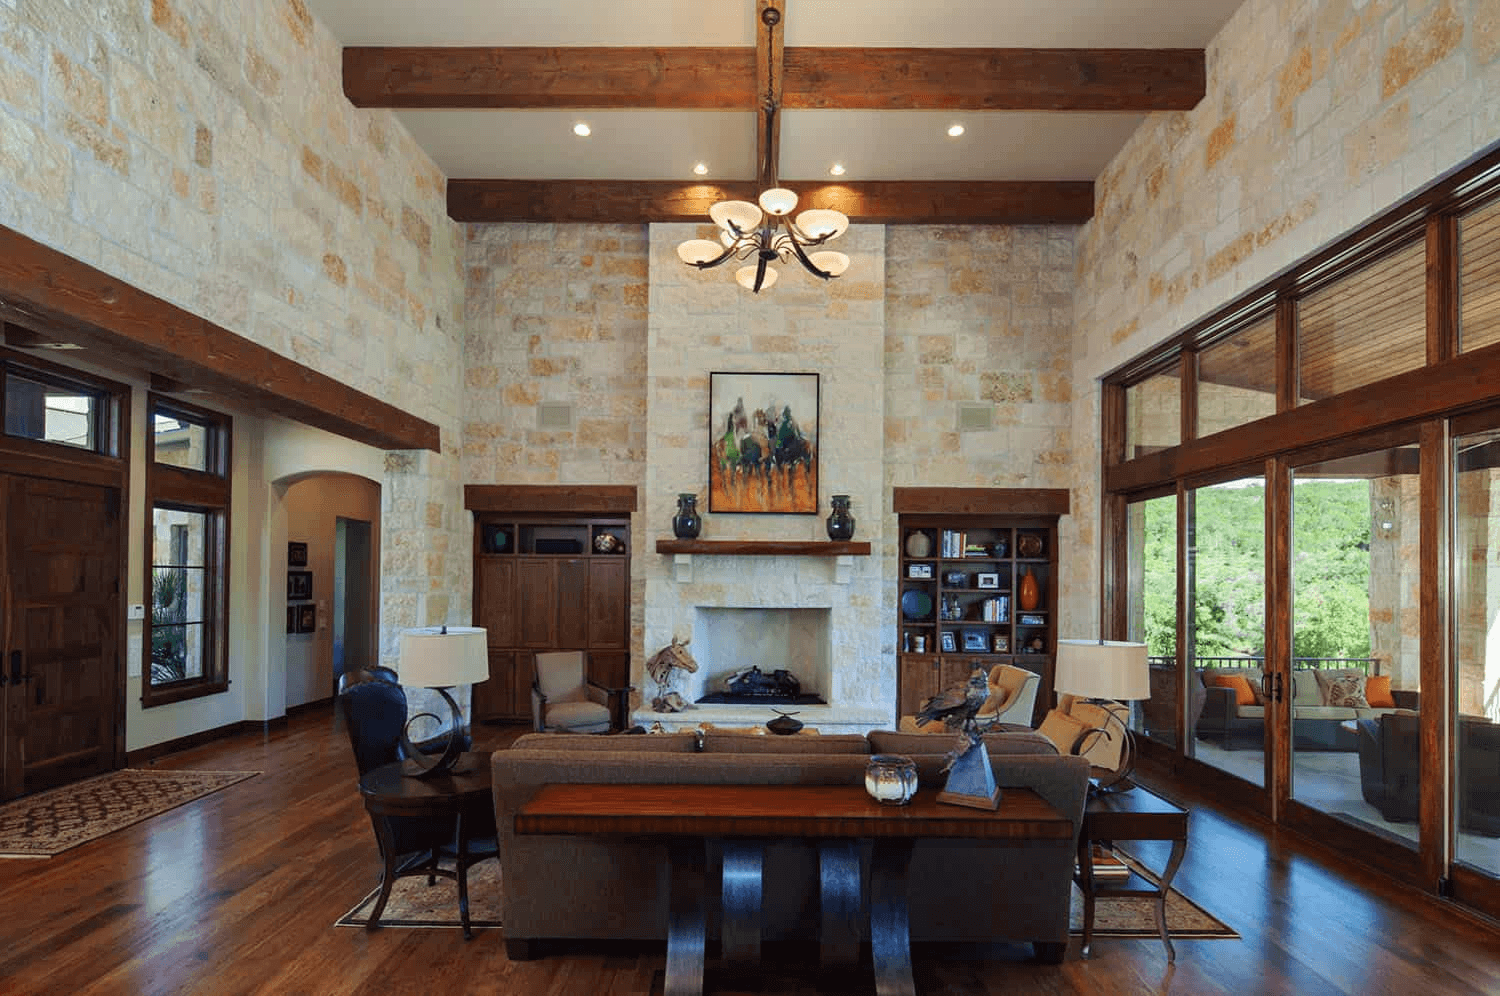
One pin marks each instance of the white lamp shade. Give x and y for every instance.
(741, 214)
(699, 251)
(746, 277)
(1102, 669)
(778, 201)
(830, 262)
(821, 223)
(432, 658)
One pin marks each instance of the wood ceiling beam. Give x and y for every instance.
(1010, 79)
(122, 327)
(632, 202)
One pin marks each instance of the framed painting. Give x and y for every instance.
(298, 585)
(296, 554)
(763, 443)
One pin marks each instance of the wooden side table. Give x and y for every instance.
(461, 798)
(1137, 814)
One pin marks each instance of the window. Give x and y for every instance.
(53, 410)
(187, 484)
(1153, 414)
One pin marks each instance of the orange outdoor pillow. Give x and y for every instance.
(1243, 694)
(1378, 692)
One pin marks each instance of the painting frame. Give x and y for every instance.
(744, 422)
(298, 585)
(307, 618)
(296, 554)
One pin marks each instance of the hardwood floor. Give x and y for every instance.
(238, 892)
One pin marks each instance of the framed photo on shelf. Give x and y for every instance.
(307, 618)
(919, 571)
(296, 554)
(987, 581)
(298, 585)
(1001, 643)
(949, 642)
(976, 641)
(763, 443)
(1030, 619)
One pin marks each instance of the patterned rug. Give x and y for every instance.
(414, 903)
(48, 823)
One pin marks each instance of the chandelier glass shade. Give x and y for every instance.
(768, 234)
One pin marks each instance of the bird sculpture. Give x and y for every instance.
(957, 706)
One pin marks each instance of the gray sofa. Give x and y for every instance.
(1316, 725)
(617, 888)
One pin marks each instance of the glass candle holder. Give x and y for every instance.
(891, 779)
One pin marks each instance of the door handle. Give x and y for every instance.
(1280, 686)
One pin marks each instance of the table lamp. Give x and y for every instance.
(1104, 673)
(439, 658)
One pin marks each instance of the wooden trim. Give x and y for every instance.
(1436, 723)
(1442, 288)
(1115, 570)
(122, 326)
(568, 499)
(32, 458)
(980, 501)
(1446, 388)
(765, 548)
(714, 78)
(146, 755)
(1287, 381)
(1187, 427)
(887, 202)
(1186, 595)
(1278, 635)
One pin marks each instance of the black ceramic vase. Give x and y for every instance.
(687, 524)
(840, 522)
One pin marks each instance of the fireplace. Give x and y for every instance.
(729, 640)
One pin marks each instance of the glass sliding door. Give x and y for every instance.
(1476, 656)
(1152, 614)
(1227, 627)
(1355, 684)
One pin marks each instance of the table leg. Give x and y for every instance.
(388, 877)
(839, 895)
(1086, 883)
(1179, 848)
(890, 931)
(740, 897)
(462, 870)
(685, 923)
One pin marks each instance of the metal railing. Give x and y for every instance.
(1370, 665)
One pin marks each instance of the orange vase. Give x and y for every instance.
(1030, 594)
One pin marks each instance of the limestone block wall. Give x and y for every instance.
(1318, 115)
(203, 151)
(982, 314)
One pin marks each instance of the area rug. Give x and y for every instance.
(1129, 916)
(414, 903)
(48, 823)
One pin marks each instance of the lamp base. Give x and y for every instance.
(1103, 780)
(420, 765)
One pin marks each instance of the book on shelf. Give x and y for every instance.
(1107, 864)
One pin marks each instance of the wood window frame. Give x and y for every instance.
(206, 491)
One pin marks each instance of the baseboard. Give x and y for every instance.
(146, 755)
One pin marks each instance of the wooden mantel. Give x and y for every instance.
(764, 548)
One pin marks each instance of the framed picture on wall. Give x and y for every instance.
(307, 618)
(298, 585)
(763, 443)
(296, 554)
(291, 618)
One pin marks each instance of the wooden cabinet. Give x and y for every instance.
(961, 603)
(549, 584)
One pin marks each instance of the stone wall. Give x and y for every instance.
(204, 152)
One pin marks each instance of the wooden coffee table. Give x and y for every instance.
(743, 817)
(1137, 814)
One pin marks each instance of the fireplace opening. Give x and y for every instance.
(752, 686)
(761, 655)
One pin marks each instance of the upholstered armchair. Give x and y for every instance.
(1012, 698)
(563, 700)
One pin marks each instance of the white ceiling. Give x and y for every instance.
(872, 145)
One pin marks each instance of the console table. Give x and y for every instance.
(742, 817)
(1137, 814)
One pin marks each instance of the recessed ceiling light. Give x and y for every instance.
(955, 130)
(837, 169)
(701, 169)
(582, 129)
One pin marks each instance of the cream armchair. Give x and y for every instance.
(563, 700)
(1012, 698)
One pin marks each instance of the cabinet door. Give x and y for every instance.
(522, 669)
(609, 623)
(955, 671)
(536, 600)
(495, 600)
(919, 682)
(572, 604)
(492, 699)
(610, 668)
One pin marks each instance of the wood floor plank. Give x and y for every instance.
(236, 894)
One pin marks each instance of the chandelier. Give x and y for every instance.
(767, 232)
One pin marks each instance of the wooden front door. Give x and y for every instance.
(59, 609)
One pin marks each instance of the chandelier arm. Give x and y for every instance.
(811, 268)
(722, 258)
(802, 237)
(760, 273)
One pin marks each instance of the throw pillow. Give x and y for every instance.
(1063, 730)
(1344, 689)
(1103, 749)
(1244, 695)
(1378, 692)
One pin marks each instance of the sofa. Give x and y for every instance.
(1323, 711)
(1390, 772)
(617, 888)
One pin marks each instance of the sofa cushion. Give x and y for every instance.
(729, 742)
(1252, 676)
(915, 744)
(1063, 730)
(1250, 712)
(667, 743)
(1378, 692)
(1243, 694)
(1305, 688)
(1343, 688)
(1324, 712)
